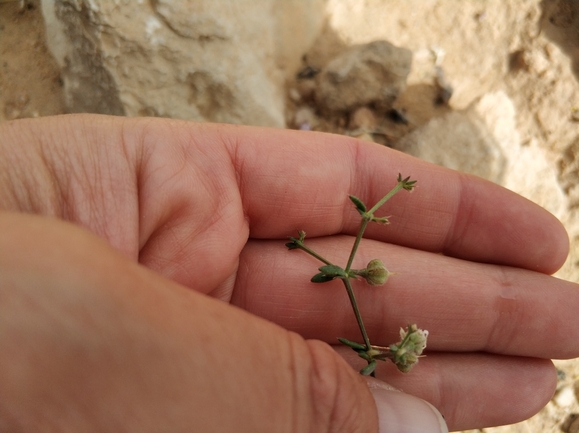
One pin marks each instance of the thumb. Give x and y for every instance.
(90, 341)
(346, 407)
(403, 413)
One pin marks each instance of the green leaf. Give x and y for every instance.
(352, 344)
(364, 355)
(332, 271)
(359, 205)
(292, 245)
(321, 278)
(369, 369)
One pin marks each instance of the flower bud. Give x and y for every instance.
(405, 354)
(416, 338)
(375, 273)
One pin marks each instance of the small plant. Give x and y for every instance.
(412, 342)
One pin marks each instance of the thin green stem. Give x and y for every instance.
(363, 226)
(366, 218)
(354, 304)
(387, 197)
(302, 247)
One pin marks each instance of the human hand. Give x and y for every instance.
(92, 340)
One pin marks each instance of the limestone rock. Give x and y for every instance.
(569, 173)
(564, 397)
(372, 73)
(560, 22)
(305, 119)
(214, 60)
(460, 142)
(363, 118)
(483, 140)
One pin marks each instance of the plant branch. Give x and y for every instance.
(298, 243)
(354, 304)
(405, 353)
(363, 226)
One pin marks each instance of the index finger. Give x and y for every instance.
(291, 180)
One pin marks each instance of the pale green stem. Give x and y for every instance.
(302, 247)
(363, 226)
(357, 312)
(366, 219)
(387, 197)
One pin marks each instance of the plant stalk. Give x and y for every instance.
(363, 226)
(387, 197)
(354, 304)
(302, 247)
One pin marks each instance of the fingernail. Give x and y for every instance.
(403, 413)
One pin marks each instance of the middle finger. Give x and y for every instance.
(465, 306)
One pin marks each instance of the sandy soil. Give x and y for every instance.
(488, 46)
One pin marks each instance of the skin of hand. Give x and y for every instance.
(145, 285)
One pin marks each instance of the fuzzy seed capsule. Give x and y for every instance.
(376, 273)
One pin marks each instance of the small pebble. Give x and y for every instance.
(362, 118)
(564, 397)
(362, 135)
(571, 423)
(305, 118)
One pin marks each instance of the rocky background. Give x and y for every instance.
(486, 87)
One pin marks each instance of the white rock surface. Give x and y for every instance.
(564, 397)
(459, 142)
(181, 59)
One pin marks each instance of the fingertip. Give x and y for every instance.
(561, 246)
(547, 244)
(496, 225)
